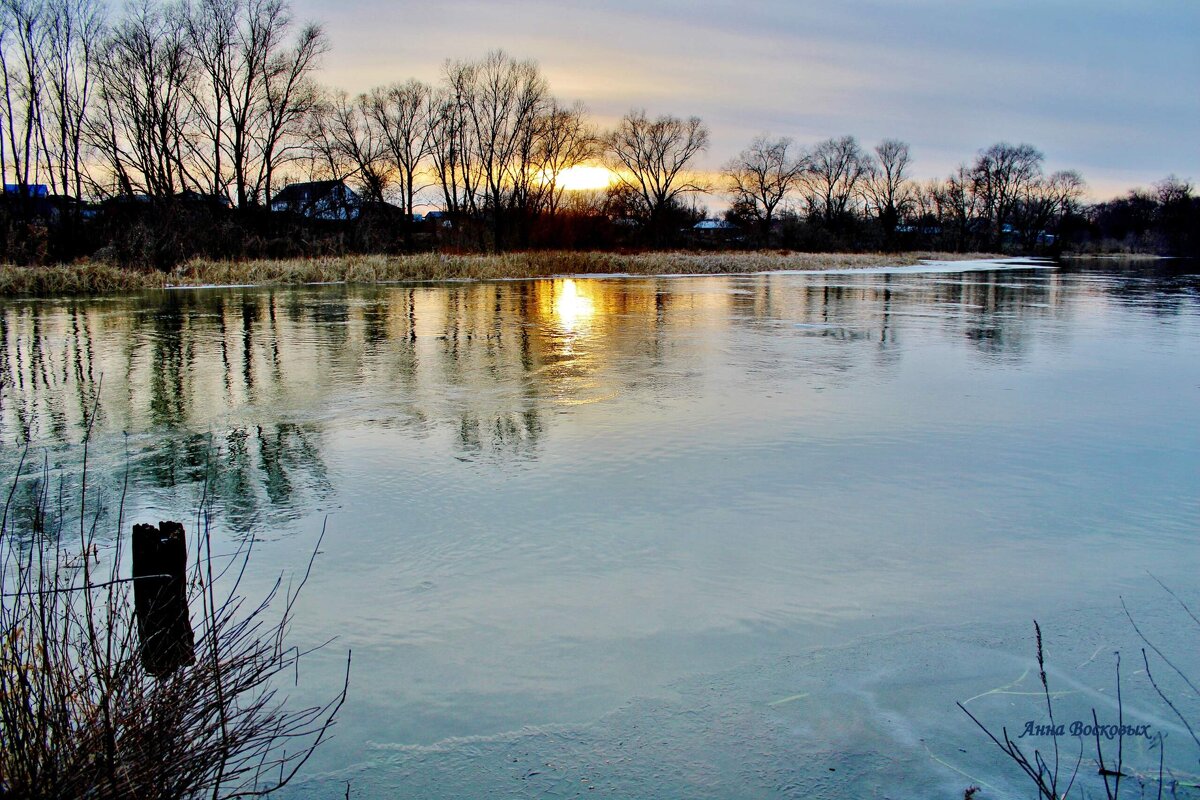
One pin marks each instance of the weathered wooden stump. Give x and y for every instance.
(160, 597)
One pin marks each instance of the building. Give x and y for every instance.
(319, 200)
(34, 190)
(714, 225)
(714, 231)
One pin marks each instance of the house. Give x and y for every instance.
(319, 200)
(34, 190)
(194, 198)
(714, 231)
(714, 225)
(34, 201)
(437, 219)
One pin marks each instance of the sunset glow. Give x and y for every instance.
(583, 178)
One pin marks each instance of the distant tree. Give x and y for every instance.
(324, 156)
(1164, 220)
(252, 89)
(564, 139)
(212, 28)
(288, 95)
(400, 113)
(1001, 176)
(836, 171)
(1172, 189)
(622, 201)
(888, 189)
(76, 32)
(957, 207)
(761, 177)
(349, 145)
(24, 40)
(1125, 221)
(651, 156)
(450, 151)
(1045, 202)
(924, 200)
(142, 124)
(1178, 216)
(503, 98)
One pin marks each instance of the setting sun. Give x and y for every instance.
(583, 178)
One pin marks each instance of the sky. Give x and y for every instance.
(1111, 89)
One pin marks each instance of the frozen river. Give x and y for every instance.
(719, 537)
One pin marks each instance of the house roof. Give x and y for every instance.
(30, 189)
(714, 224)
(304, 193)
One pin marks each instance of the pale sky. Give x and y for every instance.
(1111, 89)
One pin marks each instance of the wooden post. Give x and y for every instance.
(160, 597)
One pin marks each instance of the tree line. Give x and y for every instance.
(165, 132)
(1002, 199)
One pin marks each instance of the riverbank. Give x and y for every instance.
(99, 278)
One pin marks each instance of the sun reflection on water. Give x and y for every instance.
(572, 306)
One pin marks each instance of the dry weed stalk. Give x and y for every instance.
(79, 714)
(1044, 774)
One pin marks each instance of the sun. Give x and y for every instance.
(582, 178)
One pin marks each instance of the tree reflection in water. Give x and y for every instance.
(266, 377)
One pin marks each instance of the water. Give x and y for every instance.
(745, 536)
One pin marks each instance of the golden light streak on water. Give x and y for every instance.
(572, 306)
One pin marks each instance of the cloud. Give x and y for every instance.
(1109, 88)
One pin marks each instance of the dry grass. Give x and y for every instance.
(84, 713)
(97, 278)
(80, 278)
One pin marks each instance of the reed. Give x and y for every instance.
(88, 277)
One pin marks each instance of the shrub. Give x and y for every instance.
(80, 715)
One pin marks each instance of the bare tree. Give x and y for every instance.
(505, 97)
(401, 114)
(1001, 176)
(1045, 202)
(324, 156)
(24, 35)
(212, 28)
(451, 140)
(925, 200)
(142, 124)
(957, 205)
(257, 88)
(836, 170)
(762, 176)
(564, 139)
(348, 146)
(887, 185)
(206, 96)
(442, 120)
(651, 156)
(1173, 189)
(289, 94)
(76, 32)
